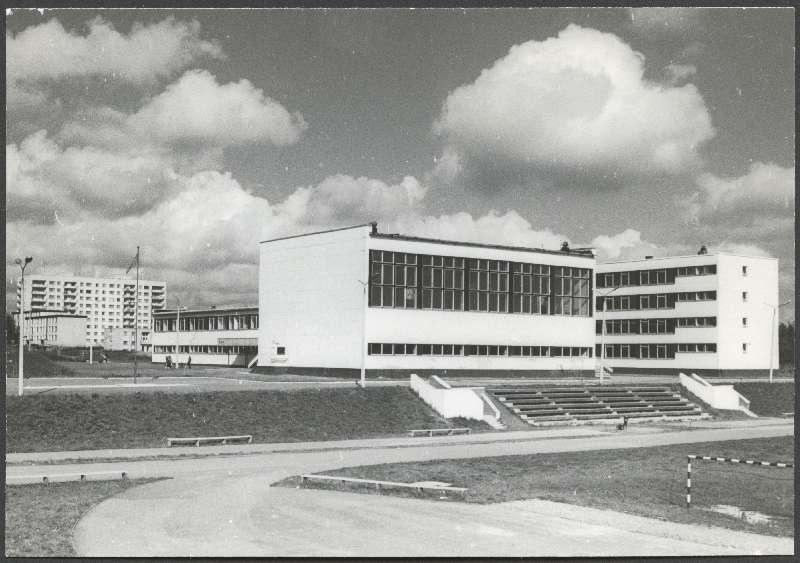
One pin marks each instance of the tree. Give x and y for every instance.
(786, 343)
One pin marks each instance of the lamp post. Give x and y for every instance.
(772, 336)
(364, 305)
(603, 333)
(22, 264)
(178, 335)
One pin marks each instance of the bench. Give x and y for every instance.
(439, 432)
(61, 477)
(381, 484)
(209, 440)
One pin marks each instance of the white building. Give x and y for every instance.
(334, 301)
(106, 302)
(224, 337)
(116, 338)
(53, 328)
(708, 313)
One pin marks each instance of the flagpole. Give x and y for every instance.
(136, 321)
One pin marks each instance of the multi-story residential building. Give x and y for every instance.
(53, 328)
(117, 338)
(710, 313)
(338, 301)
(106, 302)
(224, 336)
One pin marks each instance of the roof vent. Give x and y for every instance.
(703, 250)
(648, 257)
(565, 246)
(374, 227)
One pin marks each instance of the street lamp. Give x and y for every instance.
(178, 334)
(22, 264)
(772, 336)
(603, 333)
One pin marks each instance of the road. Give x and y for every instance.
(224, 506)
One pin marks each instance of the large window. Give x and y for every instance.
(652, 277)
(572, 291)
(448, 283)
(393, 279)
(488, 285)
(530, 288)
(442, 283)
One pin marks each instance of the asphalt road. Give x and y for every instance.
(224, 506)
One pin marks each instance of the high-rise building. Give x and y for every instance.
(106, 302)
(710, 313)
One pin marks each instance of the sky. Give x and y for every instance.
(194, 134)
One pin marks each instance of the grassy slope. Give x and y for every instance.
(84, 422)
(644, 481)
(768, 399)
(40, 518)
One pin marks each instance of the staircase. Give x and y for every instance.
(541, 406)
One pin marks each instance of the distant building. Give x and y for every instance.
(710, 313)
(53, 328)
(118, 339)
(105, 302)
(214, 336)
(334, 301)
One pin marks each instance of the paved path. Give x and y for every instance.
(224, 506)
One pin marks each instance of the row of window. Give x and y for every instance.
(216, 322)
(662, 276)
(206, 349)
(385, 349)
(457, 284)
(653, 326)
(653, 351)
(651, 301)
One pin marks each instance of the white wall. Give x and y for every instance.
(311, 300)
(722, 397)
(761, 285)
(451, 402)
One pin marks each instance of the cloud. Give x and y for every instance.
(765, 191)
(665, 21)
(49, 52)
(575, 104)
(342, 199)
(627, 244)
(677, 73)
(197, 110)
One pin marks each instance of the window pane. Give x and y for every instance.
(493, 282)
(526, 303)
(387, 348)
(473, 280)
(399, 296)
(493, 302)
(427, 276)
(388, 274)
(448, 279)
(448, 300)
(387, 296)
(411, 276)
(473, 301)
(517, 284)
(484, 280)
(502, 304)
(503, 282)
(399, 275)
(374, 296)
(483, 302)
(426, 298)
(437, 277)
(411, 298)
(459, 279)
(437, 298)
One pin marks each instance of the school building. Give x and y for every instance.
(343, 300)
(711, 313)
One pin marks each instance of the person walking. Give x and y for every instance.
(189, 362)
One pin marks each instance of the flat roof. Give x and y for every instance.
(583, 253)
(684, 256)
(206, 310)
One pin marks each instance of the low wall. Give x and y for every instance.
(722, 397)
(449, 402)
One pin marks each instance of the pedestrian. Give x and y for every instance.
(189, 362)
(168, 362)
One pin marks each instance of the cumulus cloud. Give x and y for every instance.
(679, 72)
(196, 110)
(627, 244)
(765, 191)
(148, 52)
(665, 20)
(577, 101)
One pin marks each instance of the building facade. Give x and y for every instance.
(708, 313)
(105, 302)
(53, 328)
(125, 339)
(336, 301)
(222, 337)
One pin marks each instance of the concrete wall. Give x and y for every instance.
(761, 285)
(312, 301)
(450, 402)
(722, 397)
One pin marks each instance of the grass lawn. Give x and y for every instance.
(40, 518)
(645, 481)
(768, 399)
(37, 364)
(68, 422)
